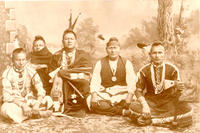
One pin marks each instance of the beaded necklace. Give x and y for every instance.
(158, 86)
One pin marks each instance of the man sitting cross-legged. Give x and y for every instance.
(23, 93)
(159, 93)
(113, 82)
(70, 69)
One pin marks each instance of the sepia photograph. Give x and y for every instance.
(99, 66)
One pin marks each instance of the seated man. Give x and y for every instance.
(23, 93)
(39, 59)
(158, 92)
(113, 82)
(70, 70)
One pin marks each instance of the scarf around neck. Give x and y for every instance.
(40, 57)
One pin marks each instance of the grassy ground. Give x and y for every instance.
(93, 123)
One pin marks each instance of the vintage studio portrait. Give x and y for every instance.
(99, 66)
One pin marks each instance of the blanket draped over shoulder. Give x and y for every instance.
(41, 57)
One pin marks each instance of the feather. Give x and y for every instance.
(142, 45)
(100, 36)
(72, 27)
(70, 20)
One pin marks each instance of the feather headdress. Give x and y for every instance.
(72, 25)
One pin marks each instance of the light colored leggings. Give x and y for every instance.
(14, 112)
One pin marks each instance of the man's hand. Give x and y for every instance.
(129, 98)
(145, 108)
(180, 85)
(94, 98)
(36, 108)
(27, 110)
(146, 112)
(126, 105)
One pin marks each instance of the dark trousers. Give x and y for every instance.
(179, 108)
(106, 108)
(69, 104)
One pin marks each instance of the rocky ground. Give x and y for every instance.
(93, 123)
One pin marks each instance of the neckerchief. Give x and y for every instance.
(22, 81)
(18, 71)
(158, 86)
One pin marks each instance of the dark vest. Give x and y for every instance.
(170, 74)
(106, 73)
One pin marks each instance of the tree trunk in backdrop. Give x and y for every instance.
(165, 23)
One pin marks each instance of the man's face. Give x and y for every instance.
(19, 60)
(113, 51)
(38, 45)
(69, 41)
(157, 54)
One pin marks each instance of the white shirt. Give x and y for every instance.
(13, 85)
(113, 66)
(131, 78)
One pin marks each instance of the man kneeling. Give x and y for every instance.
(23, 93)
(113, 82)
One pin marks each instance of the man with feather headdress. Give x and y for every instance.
(72, 67)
